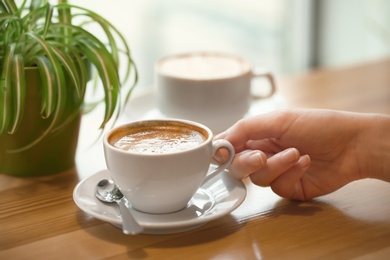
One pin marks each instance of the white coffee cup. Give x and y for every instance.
(155, 174)
(212, 88)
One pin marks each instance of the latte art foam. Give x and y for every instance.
(160, 141)
(203, 66)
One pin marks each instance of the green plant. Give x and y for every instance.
(54, 38)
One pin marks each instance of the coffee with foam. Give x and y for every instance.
(158, 139)
(203, 66)
(159, 164)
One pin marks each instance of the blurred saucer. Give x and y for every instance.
(215, 199)
(144, 107)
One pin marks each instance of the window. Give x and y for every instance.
(285, 36)
(264, 32)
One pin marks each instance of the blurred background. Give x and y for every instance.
(287, 37)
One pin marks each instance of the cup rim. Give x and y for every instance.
(199, 125)
(204, 53)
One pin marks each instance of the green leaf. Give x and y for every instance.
(3, 9)
(19, 92)
(106, 69)
(65, 16)
(49, 96)
(108, 27)
(105, 26)
(4, 17)
(57, 71)
(55, 39)
(6, 112)
(70, 66)
(33, 19)
(12, 30)
(10, 6)
(61, 91)
(49, 15)
(35, 4)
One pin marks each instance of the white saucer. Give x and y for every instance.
(144, 106)
(216, 198)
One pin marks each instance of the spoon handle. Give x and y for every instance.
(129, 224)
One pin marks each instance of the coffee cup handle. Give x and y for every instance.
(261, 73)
(218, 144)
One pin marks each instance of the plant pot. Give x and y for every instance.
(54, 153)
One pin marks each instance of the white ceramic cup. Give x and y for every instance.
(212, 88)
(164, 182)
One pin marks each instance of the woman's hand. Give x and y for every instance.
(302, 154)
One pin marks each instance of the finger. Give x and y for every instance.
(276, 165)
(247, 162)
(221, 156)
(270, 146)
(269, 125)
(288, 185)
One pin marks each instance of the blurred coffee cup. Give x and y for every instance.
(212, 88)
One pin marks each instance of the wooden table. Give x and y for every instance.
(39, 220)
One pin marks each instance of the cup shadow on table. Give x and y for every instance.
(136, 244)
(287, 225)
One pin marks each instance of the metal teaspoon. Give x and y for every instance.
(107, 191)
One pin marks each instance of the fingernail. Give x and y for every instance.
(304, 161)
(218, 158)
(256, 158)
(290, 155)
